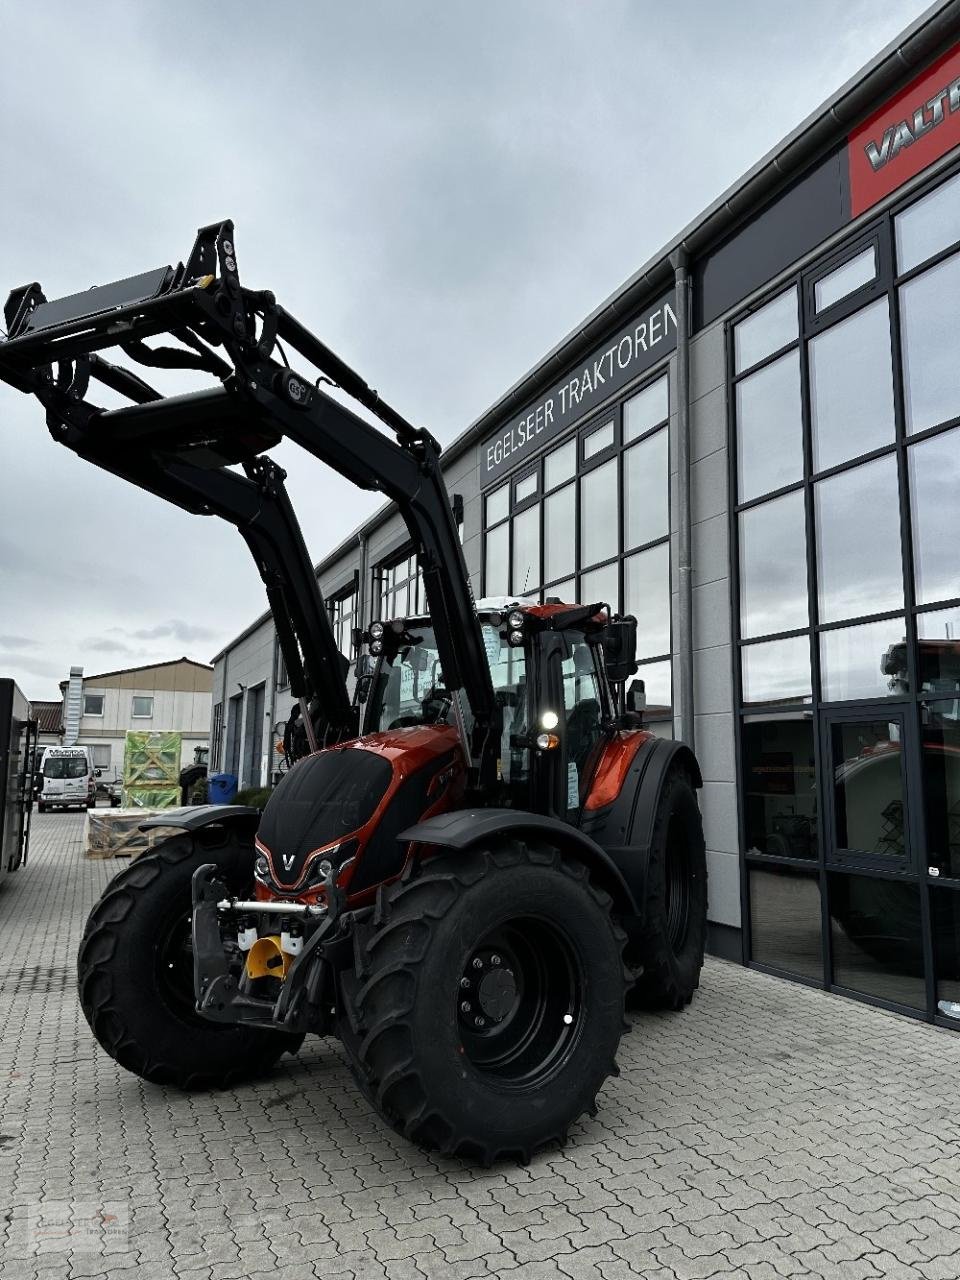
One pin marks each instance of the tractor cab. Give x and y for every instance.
(558, 672)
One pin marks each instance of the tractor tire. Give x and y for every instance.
(135, 973)
(669, 948)
(487, 1001)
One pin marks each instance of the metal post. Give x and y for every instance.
(685, 537)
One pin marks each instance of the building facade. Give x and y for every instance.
(751, 446)
(165, 697)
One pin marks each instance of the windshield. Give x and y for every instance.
(409, 690)
(409, 686)
(65, 767)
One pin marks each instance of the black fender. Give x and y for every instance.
(193, 817)
(625, 829)
(466, 827)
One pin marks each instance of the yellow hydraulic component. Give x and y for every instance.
(205, 282)
(266, 959)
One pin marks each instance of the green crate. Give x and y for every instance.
(151, 760)
(151, 797)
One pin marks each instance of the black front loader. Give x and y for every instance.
(182, 448)
(475, 964)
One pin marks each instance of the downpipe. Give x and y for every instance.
(686, 730)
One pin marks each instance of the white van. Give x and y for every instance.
(66, 779)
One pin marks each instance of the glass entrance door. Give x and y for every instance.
(876, 919)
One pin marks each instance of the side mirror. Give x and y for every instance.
(619, 641)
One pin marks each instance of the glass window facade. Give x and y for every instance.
(400, 591)
(845, 279)
(591, 522)
(769, 428)
(846, 440)
(343, 617)
(851, 387)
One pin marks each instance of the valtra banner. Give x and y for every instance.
(909, 132)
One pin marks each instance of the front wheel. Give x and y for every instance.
(135, 973)
(487, 1003)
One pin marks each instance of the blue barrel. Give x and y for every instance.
(222, 787)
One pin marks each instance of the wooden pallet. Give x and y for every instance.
(115, 833)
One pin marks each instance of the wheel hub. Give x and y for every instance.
(520, 1002)
(497, 993)
(488, 990)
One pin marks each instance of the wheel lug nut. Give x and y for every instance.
(465, 983)
(478, 963)
(495, 960)
(479, 1022)
(465, 1006)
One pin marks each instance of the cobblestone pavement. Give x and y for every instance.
(768, 1131)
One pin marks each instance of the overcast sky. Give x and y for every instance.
(441, 190)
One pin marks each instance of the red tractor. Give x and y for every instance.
(467, 888)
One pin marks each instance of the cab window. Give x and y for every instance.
(583, 717)
(509, 674)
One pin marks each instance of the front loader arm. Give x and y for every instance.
(175, 445)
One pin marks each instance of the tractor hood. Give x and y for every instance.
(338, 803)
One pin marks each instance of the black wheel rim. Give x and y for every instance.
(677, 884)
(175, 968)
(520, 1003)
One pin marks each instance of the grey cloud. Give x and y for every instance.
(175, 629)
(33, 666)
(16, 642)
(441, 190)
(103, 644)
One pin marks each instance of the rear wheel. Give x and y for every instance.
(487, 1003)
(670, 947)
(135, 973)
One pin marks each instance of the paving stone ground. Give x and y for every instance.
(768, 1131)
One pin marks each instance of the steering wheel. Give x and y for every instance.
(433, 710)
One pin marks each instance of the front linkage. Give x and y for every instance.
(308, 999)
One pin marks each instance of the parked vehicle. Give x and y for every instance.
(68, 779)
(18, 738)
(467, 892)
(193, 775)
(109, 784)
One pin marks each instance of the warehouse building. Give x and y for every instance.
(98, 711)
(752, 446)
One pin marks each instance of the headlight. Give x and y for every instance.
(548, 741)
(515, 620)
(515, 638)
(262, 868)
(376, 647)
(376, 630)
(549, 720)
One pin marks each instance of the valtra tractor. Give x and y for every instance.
(469, 887)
